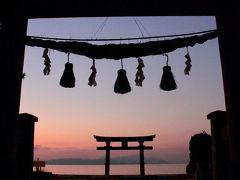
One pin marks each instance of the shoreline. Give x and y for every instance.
(120, 177)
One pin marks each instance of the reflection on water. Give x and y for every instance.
(126, 169)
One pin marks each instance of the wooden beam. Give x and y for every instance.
(125, 148)
(121, 139)
(96, 8)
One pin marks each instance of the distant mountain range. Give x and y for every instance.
(114, 160)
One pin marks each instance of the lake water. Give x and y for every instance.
(126, 169)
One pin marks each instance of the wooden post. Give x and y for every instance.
(220, 150)
(12, 34)
(141, 152)
(25, 145)
(229, 37)
(107, 161)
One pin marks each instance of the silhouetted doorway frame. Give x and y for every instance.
(13, 30)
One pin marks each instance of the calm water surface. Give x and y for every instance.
(117, 169)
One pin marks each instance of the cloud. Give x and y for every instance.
(46, 152)
(172, 155)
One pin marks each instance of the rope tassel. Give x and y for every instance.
(92, 77)
(139, 75)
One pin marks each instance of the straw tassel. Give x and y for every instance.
(68, 79)
(122, 85)
(167, 82)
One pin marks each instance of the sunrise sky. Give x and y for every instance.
(68, 118)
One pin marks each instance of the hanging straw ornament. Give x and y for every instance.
(68, 79)
(139, 75)
(167, 82)
(188, 63)
(91, 79)
(122, 85)
(47, 62)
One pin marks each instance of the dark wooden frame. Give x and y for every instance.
(14, 15)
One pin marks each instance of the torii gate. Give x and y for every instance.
(13, 25)
(124, 146)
